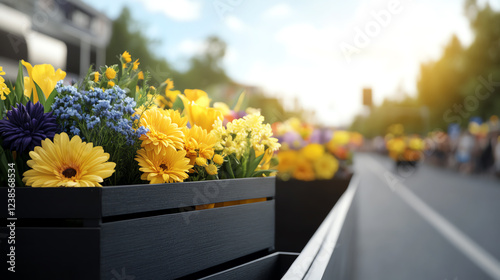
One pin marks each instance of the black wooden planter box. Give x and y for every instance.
(136, 232)
(301, 206)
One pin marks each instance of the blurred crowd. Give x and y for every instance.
(475, 149)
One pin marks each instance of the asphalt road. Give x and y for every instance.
(424, 223)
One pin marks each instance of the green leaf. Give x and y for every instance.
(2, 110)
(253, 162)
(11, 98)
(229, 168)
(50, 101)
(237, 166)
(178, 104)
(20, 83)
(41, 96)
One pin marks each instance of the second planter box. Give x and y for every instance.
(301, 206)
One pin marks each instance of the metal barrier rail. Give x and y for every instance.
(314, 261)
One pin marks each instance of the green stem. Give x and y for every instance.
(229, 168)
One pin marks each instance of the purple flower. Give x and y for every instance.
(25, 127)
(293, 139)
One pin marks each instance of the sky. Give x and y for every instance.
(321, 52)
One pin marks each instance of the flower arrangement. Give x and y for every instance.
(310, 153)
(113, 128)
(405, 148)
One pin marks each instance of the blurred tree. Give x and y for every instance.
(127, 36)
(482, 60)
(440, 82)
(464, 82)
(205, 70)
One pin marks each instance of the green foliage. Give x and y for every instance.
(445, 85)
(16, 94)
(246, 167)
(204, 70)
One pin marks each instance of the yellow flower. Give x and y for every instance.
(136, 64)
(1, 71)
(160, 101)
(287, 160)
(67, 163)
(162, 132)
(111, 84)
(265, 162)
(4, 90)
(326, 167)
(340, 138)
(96, 76)
(44, 76)
(313, 152)
(211, 169)
(168, 167)
(303, 170)
(416, 144)
(172, 96)
(169, 85)
(201, 161)
(201, 115)
(198, 96)
(126, 56)
(110, 73)
(140, 76)
(224, 108)
(198, 143)
(175, 117)
(169, 93)
(218, 159)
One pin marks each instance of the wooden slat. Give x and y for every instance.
(51, 203)
(94, 203)
(131, 199)
(53, 253)
(174, 245)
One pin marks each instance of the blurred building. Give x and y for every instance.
(68, 34)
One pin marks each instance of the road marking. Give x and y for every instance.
(460, 240)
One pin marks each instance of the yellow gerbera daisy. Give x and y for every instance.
(313, 151)
(162, 132)
(287, 160)
(169, 167)
(303, 170)
(176, 117)
(67, 163)
(198, 143)
(326, 167)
